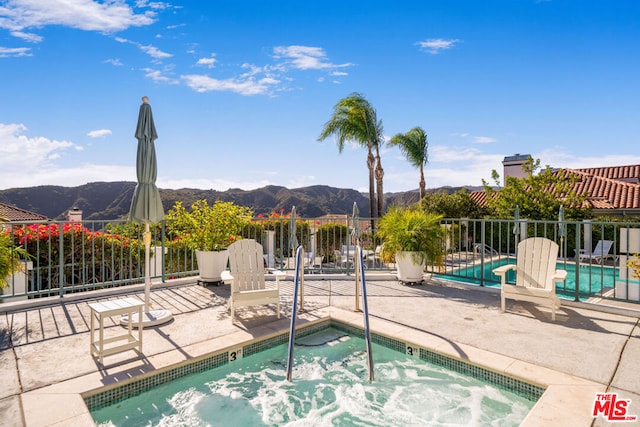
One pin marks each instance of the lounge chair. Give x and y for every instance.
(374, 259)
(536, 274)
(311, 262)
(599, 253)
(246, 275)
(342, 259)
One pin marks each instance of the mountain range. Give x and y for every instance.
(112, 200)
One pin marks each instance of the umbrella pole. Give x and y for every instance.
(147, 274)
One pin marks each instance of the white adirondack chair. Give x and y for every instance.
(536, 274)
(246, 275)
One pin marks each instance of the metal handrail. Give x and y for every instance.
(292, 330)
(367, 332)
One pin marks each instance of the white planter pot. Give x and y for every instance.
(17, 283)
(156, 260)
(211, 264)
(408, 270)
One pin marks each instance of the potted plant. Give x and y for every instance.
(209, 230)
(412, 238)
(11, 259)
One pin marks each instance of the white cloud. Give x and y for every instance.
(560, 158)
(88, 15)
(29, 37)
(448, 166)
(305, 57)
(154, 52)
(114, 61)
(243, 86)
(99, 133)
(476, 139)
(6, 52)
(435, 46)
(158, 76)
(22, 156)
(445, 154)
(160, 5)
(483, 139)
(460, 134)
(456, 167)
(70, 177)
(150, 50)
(209, 62)
(302, 57)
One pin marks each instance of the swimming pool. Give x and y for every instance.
(594, 279)
(329, 387)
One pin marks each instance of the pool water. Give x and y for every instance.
(329, 387)
(593, 278)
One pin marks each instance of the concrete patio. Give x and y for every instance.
(45, 361)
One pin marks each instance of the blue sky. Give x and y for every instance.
(240, 90)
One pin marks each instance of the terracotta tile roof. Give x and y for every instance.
(607, 193)
(479, 196)
(607, 188)
(11, 213)
(629, 173)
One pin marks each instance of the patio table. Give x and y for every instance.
(103, 310)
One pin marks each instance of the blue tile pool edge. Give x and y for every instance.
(108, 395)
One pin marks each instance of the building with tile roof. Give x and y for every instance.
(9, 213)
(610, 190)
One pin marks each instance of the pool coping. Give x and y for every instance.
(567, 399)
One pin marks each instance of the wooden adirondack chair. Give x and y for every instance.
(246, 275)
(536, 274)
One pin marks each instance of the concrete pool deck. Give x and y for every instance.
(45, 363)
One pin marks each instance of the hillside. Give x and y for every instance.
(111, 200)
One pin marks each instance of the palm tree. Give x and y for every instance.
(354, 119)
(413, 145)
(379, 176)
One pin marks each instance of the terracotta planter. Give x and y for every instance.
(408, 270)
(211, 264)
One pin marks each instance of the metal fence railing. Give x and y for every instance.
(475, 247)
(71, 257)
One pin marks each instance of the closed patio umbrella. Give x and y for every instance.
(293, 239)
(516, 220)
(562, 228)
(146, 205)
(355, 231)
(516, 226)
(293, 245)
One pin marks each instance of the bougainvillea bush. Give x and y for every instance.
(87, 256)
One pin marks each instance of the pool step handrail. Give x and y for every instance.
(292, 329)
(483, 248)
(365, 307)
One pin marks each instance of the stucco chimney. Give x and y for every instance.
(513, 166)
(74, 215)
